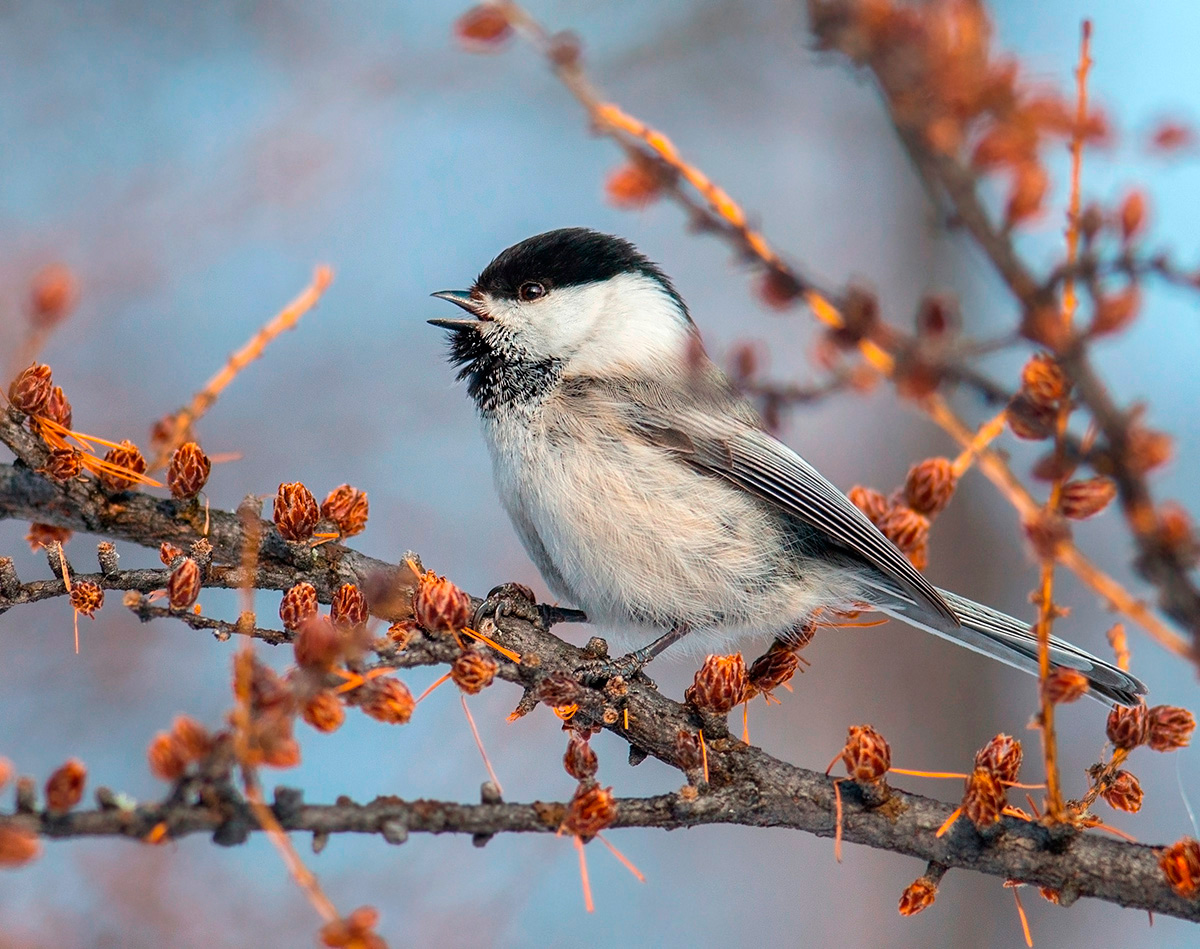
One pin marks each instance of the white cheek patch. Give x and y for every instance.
(625, 322)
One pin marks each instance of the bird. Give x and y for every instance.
(645, 488)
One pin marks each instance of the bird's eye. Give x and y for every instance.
(531, 290)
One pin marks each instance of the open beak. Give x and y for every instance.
(460, 298)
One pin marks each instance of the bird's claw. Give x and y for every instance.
(597, 673)
(511, 599)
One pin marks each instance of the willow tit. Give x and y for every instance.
(644, 486)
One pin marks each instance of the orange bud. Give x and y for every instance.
(188, 471)
(64, 789)
(167, 759)
(318, 643)
(580, 760)
(1133, 215)
(18, 845)
(1043, 382)
(1001, 757)
(1026, 194)
(1128, 727)
(1171, 136)
(87, 596)
(1082, 499)
(473, 672)
(1116, 311)
(772, 669)
(347, 507)
(62, 465)
(440, 606)
(349, 608)
(324, 712)
(930, 485)
(984, 799)
(779, 289)
(46, 535)
(1180, 864)
(1065, 685)
(483, 27)
(388, 700)
(183, 586)
(296, 512)
(30, 390)
(126, 456)
(299, 603)
(905, 528)
(719, 684)
(1124, 793)
(866, 755)
(168, 553)
(871, 502)
(917, 896)
(57, 409)
(1169, 727)
(590, 811)
(52, 296)
(633, 185)
(1030, 420)
(1148, 449)
(191, 739)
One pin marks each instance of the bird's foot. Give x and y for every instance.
(517, 600)
(600, 670)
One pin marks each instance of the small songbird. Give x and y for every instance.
(644, 486)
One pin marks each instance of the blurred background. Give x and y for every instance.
(192, 162)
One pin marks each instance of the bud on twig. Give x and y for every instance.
(719, 685)
(183, 586)
(87, 596)
(30, 390)
(1002, 757)
(930, 485)
(64, 789)
(387, 700)
(866, 755)
(1124, 792)
(473, 672)
(440, 606)
(1169, 728)
(125, 456)
(1180, 863)
(188, 471)
(1082, 499)
(347, 507)
(296, 513)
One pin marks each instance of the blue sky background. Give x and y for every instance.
(191, 163)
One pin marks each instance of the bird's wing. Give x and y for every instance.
(718, 439)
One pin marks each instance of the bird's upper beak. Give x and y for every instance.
(460, 298)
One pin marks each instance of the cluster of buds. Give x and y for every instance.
(904, 519)
(439, 606)
(1163, 727)
(356, 931)
(997, 765)
(64, 788)
(295, 512)
(171, 752)
(866, 755)
(347, 507)
(591, 809)
(719, 685)
(188, 471)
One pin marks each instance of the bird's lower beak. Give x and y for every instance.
(460, 298)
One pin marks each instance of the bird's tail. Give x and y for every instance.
(1002, 637)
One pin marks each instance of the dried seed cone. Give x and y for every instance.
(633, 185)
(866, 755)
(126, 456)
(183, 586)
(324, 712)
(984, 799)
(349, 607)
(347, 507)
(930, 485)
(17, 845)
(909, 531)
(719, 685)
(1180, 864)
(191, 738)
(482, 26)
(318, 644)
(296, 513)
(1065, 685)
(558, 689)
(1002, 757)
(168, 553)
(1124, 793)
(87, 596)
(1128, 727)
(1082, 499)
(188, 472)
(591, 810)
(388, 700)
(1030, 420)
(167, 760)
(580, 760)
(473, 672)
(64, 789)
(439, 605)
(299, 603)
(1043, 382)
(57, 408)
(30, 390)
(917, 896)
(772, 669)
(62, 465)
(871, 502)
(45, 535)
(1169, 727)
